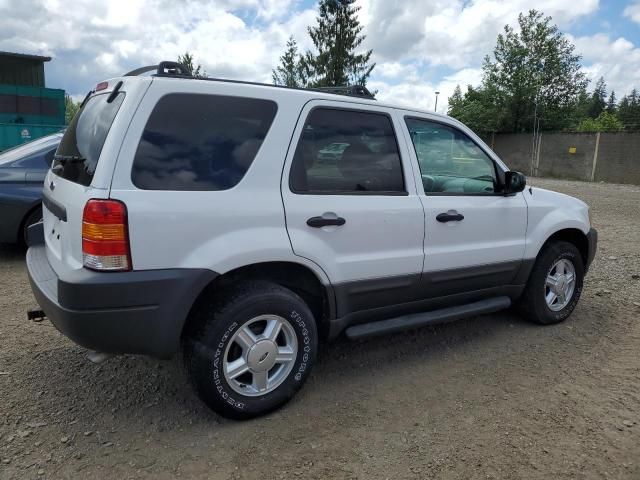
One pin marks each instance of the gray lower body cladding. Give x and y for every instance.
(117, 312)
(384, 298)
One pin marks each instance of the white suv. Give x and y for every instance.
(243, 223)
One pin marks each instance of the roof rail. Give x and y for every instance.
(166, 69)
(350, 90)
(178, 70)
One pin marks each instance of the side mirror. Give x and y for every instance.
(514, 182)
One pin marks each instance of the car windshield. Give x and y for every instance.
(28, 149)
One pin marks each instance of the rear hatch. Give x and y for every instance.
(83, 166)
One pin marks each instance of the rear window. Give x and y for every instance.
(77, 156)
(200, 142)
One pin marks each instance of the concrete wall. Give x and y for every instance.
(557, 161)
(618, 158)
(606, 157)
(515, 150)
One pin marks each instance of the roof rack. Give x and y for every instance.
(163, 69)
(178, 70)
(351, 90)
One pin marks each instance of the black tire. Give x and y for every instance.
(33, 217)
(214, 323)
(533, 305)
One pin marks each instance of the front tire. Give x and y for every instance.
(252, 349)
(555, 284)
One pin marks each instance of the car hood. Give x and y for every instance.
(546, 203)
(562, 199)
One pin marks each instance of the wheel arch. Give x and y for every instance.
(574, 236)
(299, 278)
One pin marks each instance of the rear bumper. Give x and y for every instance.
(592, 246)
(126, 312)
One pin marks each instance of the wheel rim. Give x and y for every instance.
(560, 284)
(260, 355)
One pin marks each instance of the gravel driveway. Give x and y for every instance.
(489, 397)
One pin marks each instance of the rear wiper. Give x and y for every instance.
(69, 158)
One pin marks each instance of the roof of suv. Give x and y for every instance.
(172, 71)
(308, 92)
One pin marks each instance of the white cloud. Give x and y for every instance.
(617, 60)
(414, 41)
(420, 93)
(633, 11)
(400, 72)
(453, 33)
(92, 40)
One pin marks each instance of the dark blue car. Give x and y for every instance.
(22, 172)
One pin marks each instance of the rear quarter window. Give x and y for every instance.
(200, 142)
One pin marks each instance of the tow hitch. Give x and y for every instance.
(36, 315)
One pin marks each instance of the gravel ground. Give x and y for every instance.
(489, 397)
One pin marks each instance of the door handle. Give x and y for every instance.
(318, 222)
(450, 217)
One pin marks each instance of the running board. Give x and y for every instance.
(433, 317)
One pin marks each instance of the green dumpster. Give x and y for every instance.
(28, 112)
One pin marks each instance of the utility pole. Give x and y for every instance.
(436, 108)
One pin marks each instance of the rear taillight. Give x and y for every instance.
(105, 236)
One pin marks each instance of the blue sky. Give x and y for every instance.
(420, 46)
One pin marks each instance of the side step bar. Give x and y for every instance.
(433, 317)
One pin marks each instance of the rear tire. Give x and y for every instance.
(555, 284)
(251, 349)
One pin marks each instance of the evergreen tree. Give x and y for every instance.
(336, 37)
(598, 99)
(188, 61)
(581, 107)
(290, 72)
(456, 103)
(629, 111)
(611, 103)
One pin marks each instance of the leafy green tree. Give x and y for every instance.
(476, 109)
(598, 99)
(188, 61)
(609, 122)
(606, 122)
(534, 74)
(336, 37)
(290, 72)
(70, 109)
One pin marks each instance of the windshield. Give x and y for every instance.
(28, 149)
(77, 156)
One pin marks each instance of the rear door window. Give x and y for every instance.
(200, 142)
(347, 152)
(77, 156)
